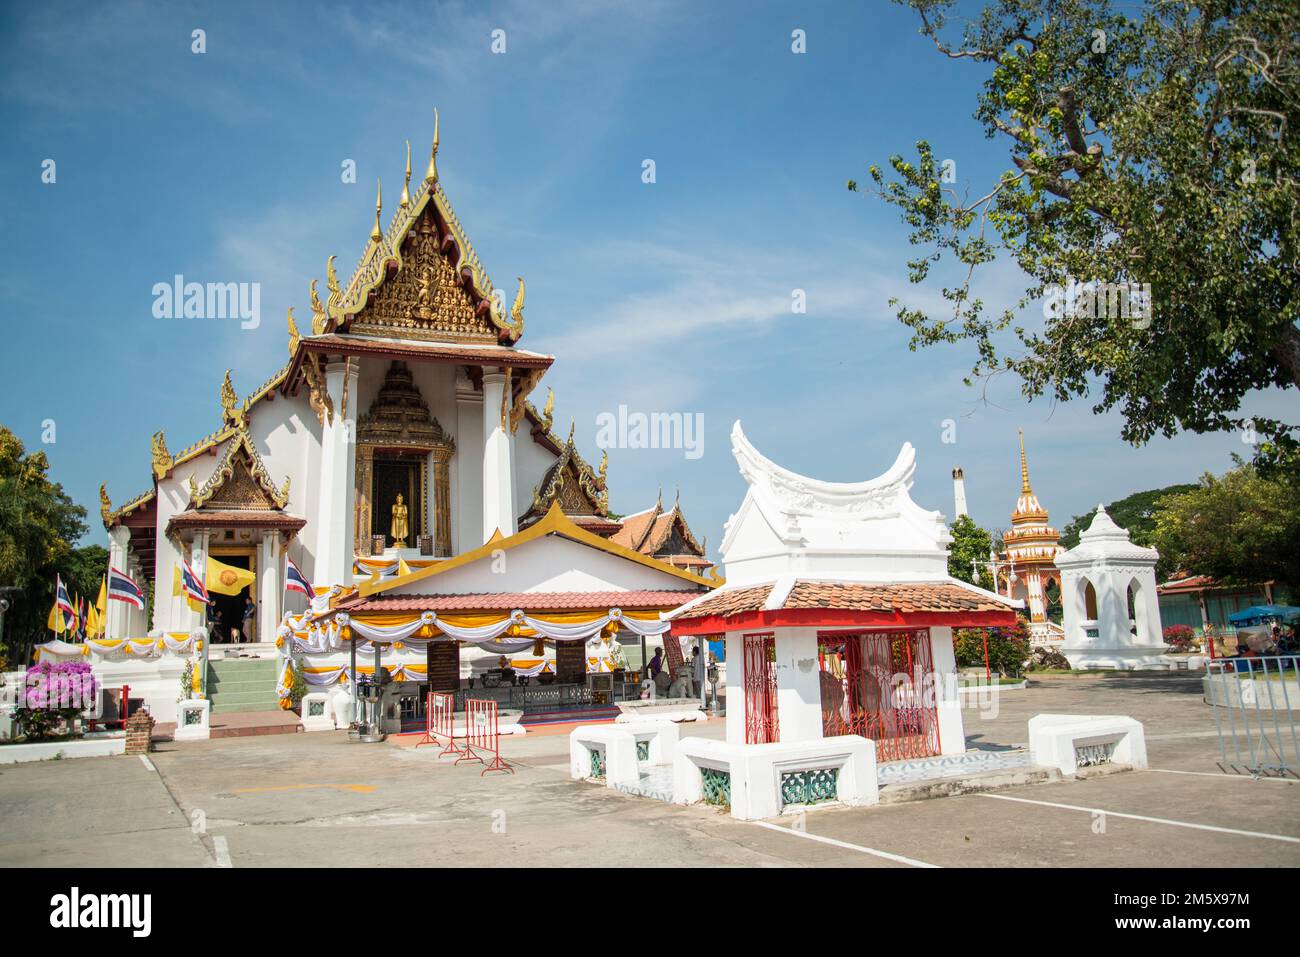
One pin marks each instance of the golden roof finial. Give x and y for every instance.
(659, 502)
(405, 201)
(431, 174)
(573, 422)
(1024, 466)
(229, 400)
(293, 326)
(332, 283)
(548, 410)
(377, 234)
(105, 505)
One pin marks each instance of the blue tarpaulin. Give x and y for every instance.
(1258, 614)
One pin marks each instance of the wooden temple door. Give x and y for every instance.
(881, 685)
(761, 721)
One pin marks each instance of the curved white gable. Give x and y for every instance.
(793, 525)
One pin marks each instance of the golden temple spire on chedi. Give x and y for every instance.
(1029, 559)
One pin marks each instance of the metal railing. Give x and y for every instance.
(1255, 700)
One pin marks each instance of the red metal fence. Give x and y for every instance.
(881, 685)
(761, 723)
(483, 735)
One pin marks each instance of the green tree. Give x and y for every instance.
(1150, 144)
(1008, 648)
(1240, 529)
(970, 543)
(38, 525)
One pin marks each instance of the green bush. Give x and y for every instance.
(1008, 648)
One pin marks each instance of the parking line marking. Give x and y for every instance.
(1228, 777)
(147, 763)
(223, 852)
(846, 845)
(1152, 820)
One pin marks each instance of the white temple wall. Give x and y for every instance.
(531, 462)
(467, 468)
(171, 612)
(798, 685)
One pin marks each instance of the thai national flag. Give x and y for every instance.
(121, 587)
(61, 597)
(193, 585)
(295, 580)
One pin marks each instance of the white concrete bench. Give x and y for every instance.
(758, 771)
(1070, 741)
(618, 743)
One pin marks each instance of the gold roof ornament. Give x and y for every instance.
(105, 506)
(376, 233)
(431, 174)
(604, 464)
(332, 283)
(229, 402)
(548, 411)
(240, 481)
(405, 202)
(293, 328)
(162, 459)
(1024, 465)
(319, 320)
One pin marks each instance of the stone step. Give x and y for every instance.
(216, 683)
(951, 765)
(228, 707)
(966, 784)
(250, 667)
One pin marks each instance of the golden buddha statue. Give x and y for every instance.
(400, 528)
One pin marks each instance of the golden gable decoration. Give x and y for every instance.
(240, 481)
(425, 298)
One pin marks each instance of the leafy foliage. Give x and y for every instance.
(970, 543)
(1008, 647)
(1149, 144)
(38, 525)
(1241, 528)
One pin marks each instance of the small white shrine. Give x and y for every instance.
(1108, 593)
(837, 614)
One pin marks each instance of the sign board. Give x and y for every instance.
(443, 660)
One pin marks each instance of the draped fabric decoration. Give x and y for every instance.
(177, 644)
(475, 630)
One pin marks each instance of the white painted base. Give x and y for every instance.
(1127, 658)
(200, 731)
(756, 771)
(1054, 737)
(44, 751)
(660, 709)
(618, 746)
(325, 721)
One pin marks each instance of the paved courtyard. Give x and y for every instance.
(321, 799)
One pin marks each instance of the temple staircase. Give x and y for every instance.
(243, 684)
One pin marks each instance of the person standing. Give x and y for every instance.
(250, 619)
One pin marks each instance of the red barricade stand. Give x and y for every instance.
(483, 732)
(438, 721)
(429, 732)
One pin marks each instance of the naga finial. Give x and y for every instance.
(431, 174)
(548, 409)
(377, 234)
(105, 506)
(162, 459)
(332, 282)
(319, 321)
(229, 401)
(293, 329)
(604, 463)
(405, 201)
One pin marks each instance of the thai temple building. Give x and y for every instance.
(1028, 563)
(397, 462)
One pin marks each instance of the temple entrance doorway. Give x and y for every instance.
(398, 475)
(881, 685)
(231, 607)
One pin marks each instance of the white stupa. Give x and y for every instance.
(1108, 593)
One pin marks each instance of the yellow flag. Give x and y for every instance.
(55, 621)
(226, 579)
(402, 567)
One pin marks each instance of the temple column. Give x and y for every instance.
(268, 587)
(199, 562)
(118, 544)
(467, 480)
(498, 467)
(334, 509)
(442, 503)
(137, 619)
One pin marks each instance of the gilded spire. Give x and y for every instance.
(377, 234)
(229, 401)
(604, 464)
(431, 174)
(405, 201)
(1024, 466)
(549, 410)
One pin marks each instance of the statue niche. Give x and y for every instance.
(397, 440)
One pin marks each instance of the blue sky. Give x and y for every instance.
(671, 296)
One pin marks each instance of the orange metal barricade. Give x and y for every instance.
(482, 732)
(442, 712)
